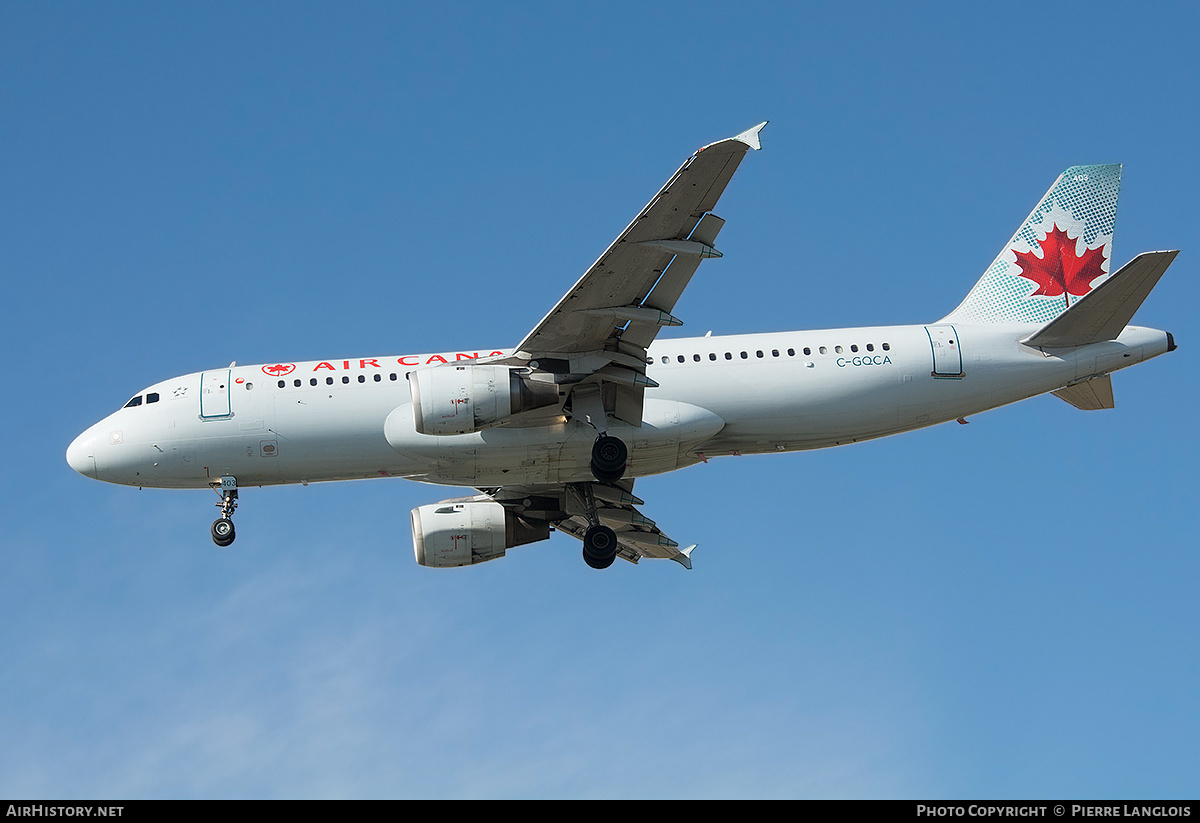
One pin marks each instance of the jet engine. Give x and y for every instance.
(464, 532)
(462, 399)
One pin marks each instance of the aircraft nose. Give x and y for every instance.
(81, 456)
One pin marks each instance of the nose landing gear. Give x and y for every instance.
(222, 528)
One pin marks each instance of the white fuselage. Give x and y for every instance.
(745, 394)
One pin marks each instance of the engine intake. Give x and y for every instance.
(462, 399)
(462, 533)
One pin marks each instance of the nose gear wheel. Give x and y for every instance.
(222, 532)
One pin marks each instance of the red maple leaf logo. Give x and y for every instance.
(1059, 270)
(279, 369)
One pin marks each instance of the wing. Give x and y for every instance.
(565, 508)
(603, 325)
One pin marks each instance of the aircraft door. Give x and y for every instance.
(214, 395)
(947, 353)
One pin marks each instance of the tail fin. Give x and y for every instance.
(1060, 253)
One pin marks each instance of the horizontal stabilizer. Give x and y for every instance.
(1107, 309)
(1089, 395)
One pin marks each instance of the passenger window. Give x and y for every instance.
(807, 351)
(392, 376)
(328, 381)
(296, 383)
(759, 353)
(666, 359)
(152, 397)
(791, 352)
(362, 378)
(696, 357)
(774, 352)
(824, 350)
(282, 383)
(870, 347)
(854, 347)
(887, 347)
(712, 356)
(728, 355)
(837, 349)
(345, 378)
(137, 401)
(681, 358)
(745, 356)
(378, 377)
(312, 381)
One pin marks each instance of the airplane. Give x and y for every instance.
(553, 432)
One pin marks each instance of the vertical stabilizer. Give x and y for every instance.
(1060, 253)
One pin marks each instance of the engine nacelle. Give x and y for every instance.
(462, 399)
(464, 532)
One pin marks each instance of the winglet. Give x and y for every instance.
(684, 557)
(750, 136)
(747, 138)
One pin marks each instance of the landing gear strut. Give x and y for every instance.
(222, 528)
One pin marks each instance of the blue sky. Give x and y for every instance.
(1004, 609)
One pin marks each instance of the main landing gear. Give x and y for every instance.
(599, 547)
(599, 541)
(610, 455)
(222, 528)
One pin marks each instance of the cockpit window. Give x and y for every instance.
(152, 397)
(137, 401)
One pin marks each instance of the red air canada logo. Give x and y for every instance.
(1059, 271)
(279, 369)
